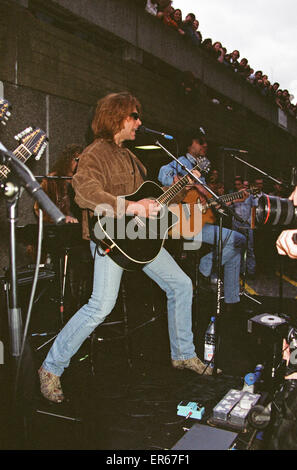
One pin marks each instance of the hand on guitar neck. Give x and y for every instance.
(190, 179)
(183, 193)
(203, 194)
(244, 195)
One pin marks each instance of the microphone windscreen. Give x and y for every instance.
(141, 130)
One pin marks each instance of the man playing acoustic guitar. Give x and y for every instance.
(233, 242)
(105, 171)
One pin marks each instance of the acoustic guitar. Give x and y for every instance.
(194, 214)
(133, 241)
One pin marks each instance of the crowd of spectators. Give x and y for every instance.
(261, 249)
(189, 29)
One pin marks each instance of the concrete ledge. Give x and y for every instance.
(127, 20)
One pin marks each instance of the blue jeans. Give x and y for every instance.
(107, 277)
(233, 244)
(250, 254)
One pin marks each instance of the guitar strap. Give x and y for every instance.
(91, 223)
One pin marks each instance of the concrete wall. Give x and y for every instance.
(126, 19)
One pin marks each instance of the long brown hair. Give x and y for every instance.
(111, 112)
(63, 162)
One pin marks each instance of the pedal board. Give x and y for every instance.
(233, 409)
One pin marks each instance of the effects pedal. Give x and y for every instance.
(190, 409)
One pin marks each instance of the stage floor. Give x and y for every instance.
(133, 406)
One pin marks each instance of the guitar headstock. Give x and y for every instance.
(254, 190)
(34, 140)
(203, 164)
(5, 108)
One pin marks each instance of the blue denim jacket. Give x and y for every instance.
(172, 169)
(243, 209)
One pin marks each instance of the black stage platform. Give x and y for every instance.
(124, 406)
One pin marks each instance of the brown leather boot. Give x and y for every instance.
(50, 386)
(194, 364)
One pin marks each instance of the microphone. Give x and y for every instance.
(227, 149)
(146, 130)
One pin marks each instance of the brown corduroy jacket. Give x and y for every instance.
(104, 172)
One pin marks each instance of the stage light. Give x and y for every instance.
(147, 147)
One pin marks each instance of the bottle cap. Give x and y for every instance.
(250, 379)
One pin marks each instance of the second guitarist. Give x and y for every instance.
(233, 242)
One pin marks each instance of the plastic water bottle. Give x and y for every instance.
(209, 343)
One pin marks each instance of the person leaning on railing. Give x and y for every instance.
(152, 7)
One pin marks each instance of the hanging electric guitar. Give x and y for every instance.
(32, 142)
(191, 207)
(133, 241)
(5, 108)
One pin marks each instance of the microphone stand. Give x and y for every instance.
(243, 291)
(221, 214)
(20, 176)
(266, 175)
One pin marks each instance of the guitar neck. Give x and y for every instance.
(22, 154)
(170, 194)
(229, 197)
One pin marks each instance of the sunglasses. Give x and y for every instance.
(135, 116)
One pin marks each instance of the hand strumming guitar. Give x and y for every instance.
(144, 208)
